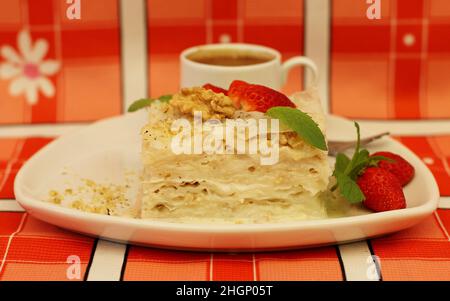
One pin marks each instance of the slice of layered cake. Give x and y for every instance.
(209, 157)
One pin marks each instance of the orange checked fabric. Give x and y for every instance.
(315, 264)
(419, 253)
(435, 153)
(392, 68)
(13, 153)
(57, 70)
(34, 250)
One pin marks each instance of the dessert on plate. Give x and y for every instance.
(248, 154)
(227, 184)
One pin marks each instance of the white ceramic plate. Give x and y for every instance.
(108, 148)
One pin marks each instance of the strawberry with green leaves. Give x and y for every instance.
(381, 189)
(360, 179)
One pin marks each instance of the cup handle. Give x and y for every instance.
(298, 61)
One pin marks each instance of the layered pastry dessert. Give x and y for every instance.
(248, 154)
(228, 184)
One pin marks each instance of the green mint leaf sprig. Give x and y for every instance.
(349, 188)
(346, 170)
(145, 102)
(301, 123)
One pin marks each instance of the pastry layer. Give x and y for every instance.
(232, 188)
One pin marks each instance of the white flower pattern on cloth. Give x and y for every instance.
(28, 69)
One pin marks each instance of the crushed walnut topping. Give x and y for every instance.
(212, 105)
(109, 199)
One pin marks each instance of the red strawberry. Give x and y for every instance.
(236, 89)
(215, 89)
(381, 189)
(401, 168)
(256, 97)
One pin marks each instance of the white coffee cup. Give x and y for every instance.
(271, 73)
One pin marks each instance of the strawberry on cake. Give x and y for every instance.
(228, 184)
